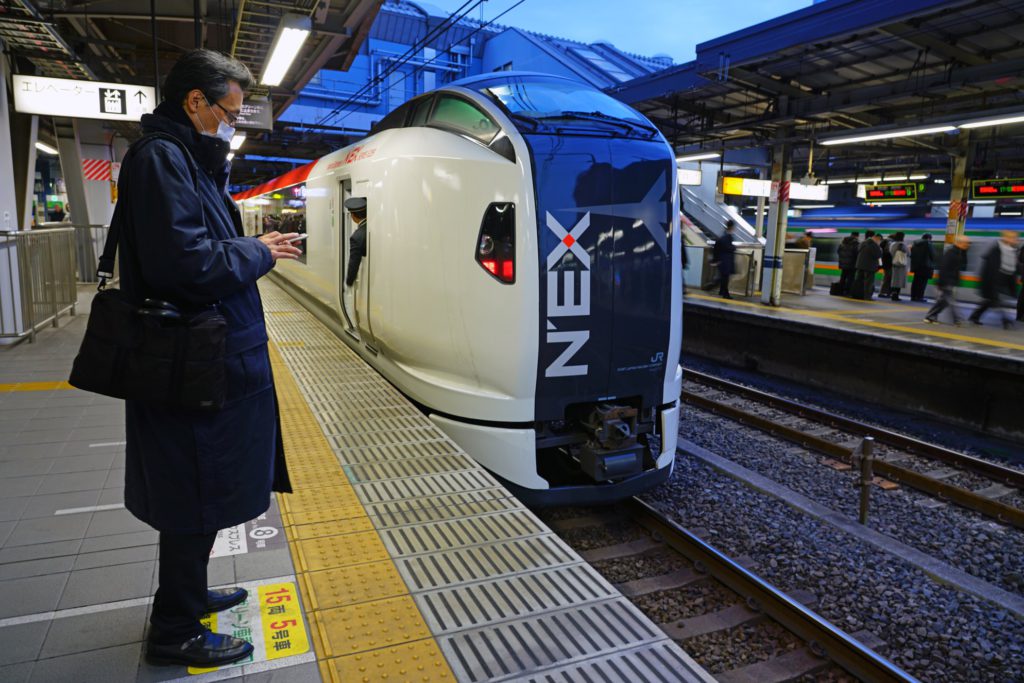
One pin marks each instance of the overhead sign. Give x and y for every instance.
(82, 99)
(753, 187)
(891, 192)
(256, 114)
(997, 188)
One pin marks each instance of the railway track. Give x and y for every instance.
(820, 646)
(903, 459)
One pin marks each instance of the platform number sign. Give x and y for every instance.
(113, 101)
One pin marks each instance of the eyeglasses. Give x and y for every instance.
(232, 118)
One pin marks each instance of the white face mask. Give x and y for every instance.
(224, 131)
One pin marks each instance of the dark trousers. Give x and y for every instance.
(863, 284)
(181, 598)
(947, 299)
(886, 282)
(1020, 304)
(1006, 286)
(723, 280)
(846, 280)
(919, 284)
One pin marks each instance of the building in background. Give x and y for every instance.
(399, 62)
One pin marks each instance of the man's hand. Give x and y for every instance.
(280, 248)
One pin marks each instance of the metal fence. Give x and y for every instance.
(37, 279)
(89, 241)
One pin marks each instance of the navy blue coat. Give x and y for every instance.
(724, 254)
(187, 471)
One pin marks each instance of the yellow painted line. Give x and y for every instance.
(364, 622)
(35, 386)
(917, 331)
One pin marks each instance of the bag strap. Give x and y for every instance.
(105, 269)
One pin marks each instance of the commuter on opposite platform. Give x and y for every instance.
(953, 259)
(847, 254)
(922, 265)
(723, 254)
(869, 260)
(886, 266)
(999, 279)
(900, 264)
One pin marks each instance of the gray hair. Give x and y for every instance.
(206, 70)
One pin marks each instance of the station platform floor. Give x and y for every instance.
(903, 320)
(396, 559)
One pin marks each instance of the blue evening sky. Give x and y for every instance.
(644, 27)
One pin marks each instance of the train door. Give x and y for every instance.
(348, 300)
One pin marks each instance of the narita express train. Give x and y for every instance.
(522, 282)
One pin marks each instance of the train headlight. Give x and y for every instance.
(496, 244)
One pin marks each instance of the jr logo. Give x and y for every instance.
(566, 304)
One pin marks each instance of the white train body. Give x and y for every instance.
(520, 346)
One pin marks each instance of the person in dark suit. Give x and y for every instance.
(998, 278)
(953, 259)
(869, 257)
(922, 265)
(357, 242)
(723, 254)
(1020, 272)
(847, 255)
(189, 474)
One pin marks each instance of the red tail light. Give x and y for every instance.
(496, 244)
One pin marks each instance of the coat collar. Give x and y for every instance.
(210, 153)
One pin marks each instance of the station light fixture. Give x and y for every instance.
(291, 34)
(886, 135)
(994, 121)
(231, 155)
(45, 149)
(701, 156)
(236, 141)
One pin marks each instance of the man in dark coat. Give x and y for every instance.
(885, 246)
(357, 242)
(922, 265)
(1020, 272)
(998, 278)
(189, 474)
(953, 259)
(847, 255)
(869, 257)
(723, 254)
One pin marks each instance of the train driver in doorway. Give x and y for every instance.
(357, 242)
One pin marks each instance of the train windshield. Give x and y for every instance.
(543, 104)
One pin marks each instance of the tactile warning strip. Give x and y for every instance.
(415, 563)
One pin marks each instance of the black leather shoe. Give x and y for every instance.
(220, 599)
(206, 650)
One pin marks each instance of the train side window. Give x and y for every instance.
(420, 111)
(464, 117)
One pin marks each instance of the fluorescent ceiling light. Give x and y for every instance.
(866, 180)
(1002, 120)
(43, 147)
(906, 132)
(291, 34)
(813, 206)
(231, 155)
(918, 176)
(236, 140)
(891, 203)
(699, 157)
(940, 181)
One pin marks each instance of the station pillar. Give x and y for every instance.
(778, 212)
(759, 218)
(24, 134)
(71, 168)
(960, 191)
(8, 196)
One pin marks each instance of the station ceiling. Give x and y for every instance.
(848, 65)
(113, 40)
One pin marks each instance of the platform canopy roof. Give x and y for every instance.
(845, 66)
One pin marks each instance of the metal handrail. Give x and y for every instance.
(37, 279)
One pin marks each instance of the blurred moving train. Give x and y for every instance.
(523, 280)
(830, 226)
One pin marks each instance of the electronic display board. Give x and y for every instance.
(891, 192)
(997, 188)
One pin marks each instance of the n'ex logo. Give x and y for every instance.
(567, 304)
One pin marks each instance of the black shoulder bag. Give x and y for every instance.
(155, 352)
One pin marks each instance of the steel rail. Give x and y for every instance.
(840, 647)
(995, 471)
(934, 487)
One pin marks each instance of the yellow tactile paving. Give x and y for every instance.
(413, 662)
(386, 623)
(35, 386)
(363, 620)
(918, 331)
